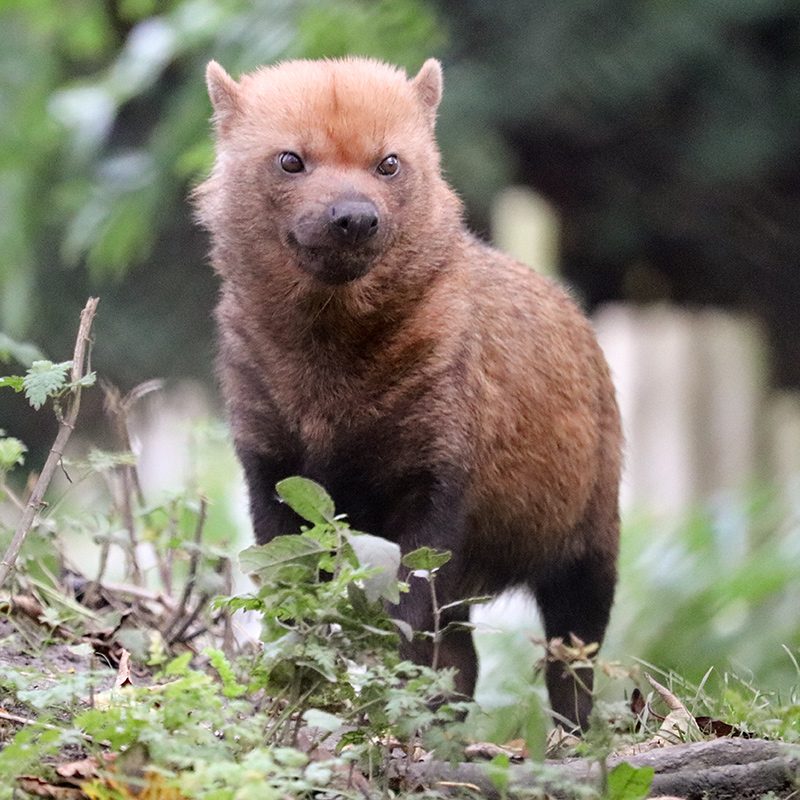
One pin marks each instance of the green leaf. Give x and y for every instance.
(26, 750)
(12, 452)
(307, 498)
(44, 379)
(374, 551)
(288, 757)
(629, 783)
(264, 559)
(230, 686)
(15, 382)
(87, 380)
(179, 666)
(404, 628)
(319, 657)
(426, 558)
(316, 718)
(498, 772)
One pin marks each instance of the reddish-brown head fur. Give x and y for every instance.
(341, 119)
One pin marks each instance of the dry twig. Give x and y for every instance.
(66, 425)
(128, 490)
(18, 720)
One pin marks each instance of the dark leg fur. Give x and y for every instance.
(434, 519)
(270, 516)
(575, 598)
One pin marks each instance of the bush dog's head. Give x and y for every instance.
(325, 167)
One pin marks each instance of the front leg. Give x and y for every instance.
(455, 648)
(270, 516)
(436, 519)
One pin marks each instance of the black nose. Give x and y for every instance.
(354, 221)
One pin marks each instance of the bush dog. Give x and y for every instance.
(444, 394)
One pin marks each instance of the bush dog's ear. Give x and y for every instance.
(224, 93)
(428, 87)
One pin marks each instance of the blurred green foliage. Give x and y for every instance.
(716, 589)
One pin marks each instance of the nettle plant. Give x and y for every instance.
(330, 652)
(47, 380)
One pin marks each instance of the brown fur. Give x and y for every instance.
(444, 393)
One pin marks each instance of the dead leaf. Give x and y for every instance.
(348, 777)
(486, 751)
(123, 671)
(28, 605)
(577, 651)
(615, 670)
(665, 694)
(679, 725)
(720, 729)
(638, 703)
(153, 787)
(42, 788)
(83, 769)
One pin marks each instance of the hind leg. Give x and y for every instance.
(575, 598)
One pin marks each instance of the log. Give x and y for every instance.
(725, 769)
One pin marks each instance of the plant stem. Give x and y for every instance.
(228, 641)
(129, 490)
(4, 487)
(66, 425)
(437, 620)
(194, 560)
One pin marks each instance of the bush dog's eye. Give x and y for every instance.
(291, 162)
(389, 165)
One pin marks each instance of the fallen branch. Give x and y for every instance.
(725, 769)
(140, 593)
(65, 427)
